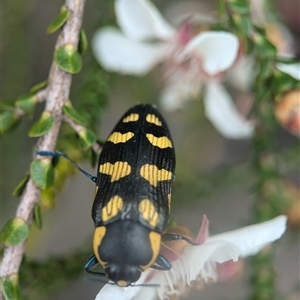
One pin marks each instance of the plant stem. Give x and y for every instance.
(57, 92)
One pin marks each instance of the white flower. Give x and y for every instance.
(190, 60)
(198, 264)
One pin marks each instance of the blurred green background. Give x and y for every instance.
(214, 175)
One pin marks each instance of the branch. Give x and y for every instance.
(57, 92)
(78, 128)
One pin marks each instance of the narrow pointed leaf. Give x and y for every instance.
(239, 6)
(10, 287)
(37, 216)
(43, 125)
(42, 173)
(87, 138)
(244, 24)
(18, 190)
(59, 21)
(264, 48)
(38, 87)
(7, 121)
(266, 68)
(14, 232)
(68, 59)
(83, 42)
(74, 115)
(26, 103)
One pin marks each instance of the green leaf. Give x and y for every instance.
(239, 6)
(26, 103)
(87, 138)
(266, 69)
(68, 59)
(73, 114)
(264, 48)
(59, 21)
(10, 287)
(42, 173)
(18, 190)
(43, 125)
(7, 120)
(244, 24)
(37, 216)
(83, 43)
(14, 232)
(283, 82)
(38, 87)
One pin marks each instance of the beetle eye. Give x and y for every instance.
(122, 275)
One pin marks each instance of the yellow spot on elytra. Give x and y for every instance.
(112, 208)
(148, 211)
(169, 202)
(152, 174)
(154, 238)
(151, 118)
(131, 118)
(98, 237)
(118, 137)
(161, 142)
(117, 170)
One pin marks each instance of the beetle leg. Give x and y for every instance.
(162, 264)
(91, 263)
(169, 237)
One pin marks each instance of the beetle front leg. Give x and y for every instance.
(162, 264)
(91, 263)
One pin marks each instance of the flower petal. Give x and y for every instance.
(229, 269)
(113, 292)
(176, 94)
(290, 69)
(217, 49)
(252, 239)
(200, 260)
(140, 20)
(203, 231)
(116, 53)
(242, 74)
(220, 110)
(197, 263)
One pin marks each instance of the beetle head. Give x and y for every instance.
(122, 275)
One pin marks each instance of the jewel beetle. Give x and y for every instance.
(133, 195)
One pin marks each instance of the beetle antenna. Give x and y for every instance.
(155, 285)
(98, 280)
(66, 156)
